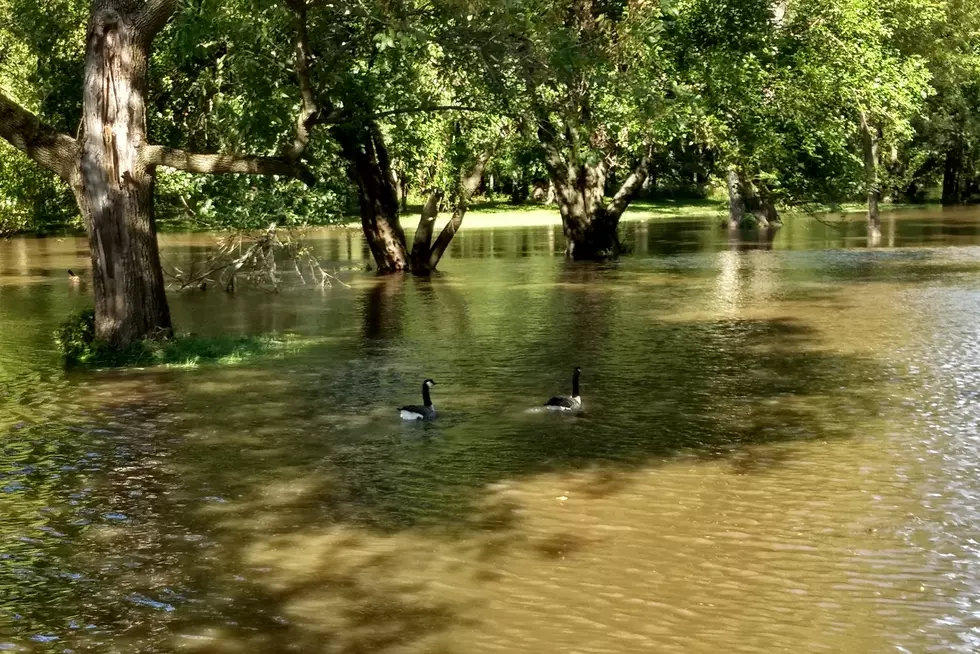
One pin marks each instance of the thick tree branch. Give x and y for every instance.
(154, 16)
(423, 234)
(630, 188)
(44, 144)
(470, 182)
(309, 114)
(216, 164)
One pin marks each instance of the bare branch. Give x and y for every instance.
(154, 16)
(217, 164)
(44, 144)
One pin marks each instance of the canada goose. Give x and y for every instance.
(424, 412)
(567, 403)
(73, 278)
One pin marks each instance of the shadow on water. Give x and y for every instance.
(284, 507)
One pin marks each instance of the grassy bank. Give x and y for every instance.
(76, 339)
(498, 214)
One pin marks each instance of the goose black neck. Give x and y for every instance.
(575, 383)
(426, 400)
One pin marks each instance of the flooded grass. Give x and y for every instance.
(778, 452)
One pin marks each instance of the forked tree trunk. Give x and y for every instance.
(767, 208)
(425, 254)
(589, 222)
(745, 198)
(114, 188)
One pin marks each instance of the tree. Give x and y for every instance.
(587, 78)
(386, 64)
(111, 165)
(784, 86)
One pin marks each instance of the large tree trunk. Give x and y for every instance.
(951, 177)
(367, 158)
(870, 142)
(767, 208)
(590, 222)
(746, 197)
(114, 187)
(736, 200)
(111, 167)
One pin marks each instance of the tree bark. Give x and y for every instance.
(423, 234)
(111, 168)
(871, 145)
(588, 221)
(425, 254)
(367, 161)
(951, 177)
(767, 208)
(469, 183)
(114, 187)
(736, 200)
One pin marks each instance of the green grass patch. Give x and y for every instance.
(80, 348)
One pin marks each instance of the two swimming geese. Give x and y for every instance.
(427, 411)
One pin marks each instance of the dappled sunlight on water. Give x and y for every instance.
(779, 453)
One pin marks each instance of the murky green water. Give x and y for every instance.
(780, 453)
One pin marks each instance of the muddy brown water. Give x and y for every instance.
(780, 453)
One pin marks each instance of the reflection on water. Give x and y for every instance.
(779, 454)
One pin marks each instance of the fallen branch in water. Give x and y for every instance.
(255, 257)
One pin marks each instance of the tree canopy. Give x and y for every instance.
(316, 111)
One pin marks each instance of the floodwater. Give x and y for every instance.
(779, 453)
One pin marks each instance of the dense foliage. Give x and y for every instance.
(772, 88)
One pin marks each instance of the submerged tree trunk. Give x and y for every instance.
(367, 158)
(115, 187)
(951, 177)
(588, 220)
(590, 223)
(870, 142)
(425, 254)
(748, 198)
(736, 200)
(111, 167)
(767, 208)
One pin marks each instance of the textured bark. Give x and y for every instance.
(369, 168)
(111, 167)
(45, 145)
(767, 208)
(423, 234)
(115, 186)
(216, 164)
(870, 144)
(588, 221)
(469, 183)
(736, 200)
(749, 198)
(425, 254)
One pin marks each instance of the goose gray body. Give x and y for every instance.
(424, 412)
(571, 402)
